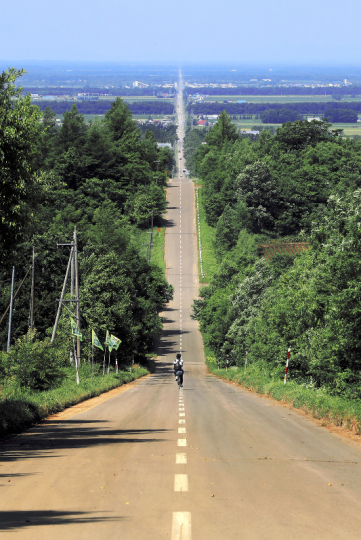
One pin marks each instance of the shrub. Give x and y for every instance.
(30, 363)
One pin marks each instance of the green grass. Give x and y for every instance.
(248, 124)
(207, 238)
(330, 410)
(157, 256)
(21, 408)
(157, 251)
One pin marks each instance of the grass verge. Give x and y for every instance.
(157, 251)
(207, 238)
(330, 410)
(24, 408)
(158, 247)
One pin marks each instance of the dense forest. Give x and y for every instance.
(256, 108)
(101, 107)
(280, 116)
(105, 178)
(337, 92)
(163, 134)
(302, 184)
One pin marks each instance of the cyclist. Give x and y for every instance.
(178, 368)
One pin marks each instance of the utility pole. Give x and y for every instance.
(147, 244)
(11, 309)
(77, 292)
(61, 298)
(72, 277)
(15, 295)
(32, 292)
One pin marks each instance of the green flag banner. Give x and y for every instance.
(95, 341)
(108, 342)
(75, 330)
(115, 341)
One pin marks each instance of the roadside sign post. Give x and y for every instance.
(288, 356)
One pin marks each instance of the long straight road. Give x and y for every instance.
(209, 462)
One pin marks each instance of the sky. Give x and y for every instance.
(259, 31)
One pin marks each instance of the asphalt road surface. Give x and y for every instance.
(209, 462)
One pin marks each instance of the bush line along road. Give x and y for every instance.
(211, 461)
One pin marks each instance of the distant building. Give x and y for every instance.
(310, 118)
(202, 122)
(138, 84)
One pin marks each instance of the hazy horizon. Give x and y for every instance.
(311, 32)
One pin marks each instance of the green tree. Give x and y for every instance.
(300, 134)
(279, 116)
(340, 115)
(19, 186)
(223, 131)
(73, 130)
(257, 189)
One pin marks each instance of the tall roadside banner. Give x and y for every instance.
(95, 343)
(109, 344)
(116, 342)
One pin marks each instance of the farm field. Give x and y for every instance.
(348, 129)
(248, 124)
(152, 116)
(280, 99)
(133, 99)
